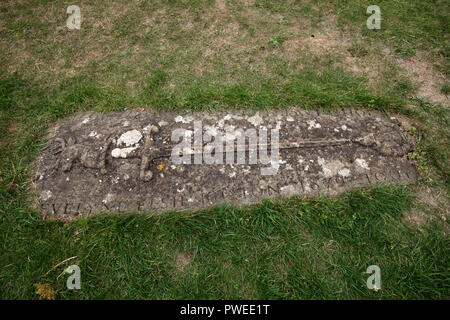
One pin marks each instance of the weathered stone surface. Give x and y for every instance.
(121, 161)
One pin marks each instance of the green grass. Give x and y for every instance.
(314, 249)
(291, 249)
(424, 24)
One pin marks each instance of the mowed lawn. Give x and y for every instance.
(215, 55)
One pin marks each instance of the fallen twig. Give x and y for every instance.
(68, 259)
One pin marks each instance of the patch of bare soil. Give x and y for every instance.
(417, 217)
(430, 200)
(425, 76)
(183, 260)
(331, 41)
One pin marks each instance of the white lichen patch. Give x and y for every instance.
(188, 133)
(46, 194)
(288, 190)
(255, 120)
(109, 197)
(312, 124)
(212, 130)
(182, 119)
(122, 152)
(129, 138)
(150, 128)
(362, 163)
(327, 172)
(344, 172)
(331, 168)
(307, 187)
(278, 127)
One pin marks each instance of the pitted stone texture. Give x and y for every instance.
(121, 161)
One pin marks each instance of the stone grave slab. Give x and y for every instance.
(136, 161)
